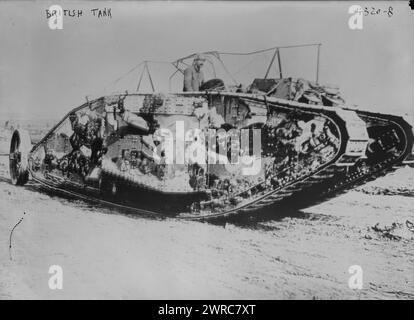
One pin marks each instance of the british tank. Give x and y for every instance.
(222, 152)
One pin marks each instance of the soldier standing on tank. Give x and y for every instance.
(193, 75)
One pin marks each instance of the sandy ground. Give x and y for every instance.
(108, 255)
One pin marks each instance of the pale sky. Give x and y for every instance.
(45, 73)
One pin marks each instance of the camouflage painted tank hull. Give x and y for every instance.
(137, 152)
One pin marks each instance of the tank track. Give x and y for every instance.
(361, 173)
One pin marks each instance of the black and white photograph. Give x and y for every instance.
(234, 151)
